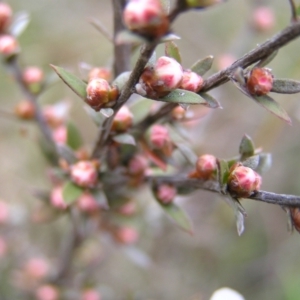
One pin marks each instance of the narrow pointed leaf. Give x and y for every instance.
(19, 23)
(74, 140)
(251, 162)
(265, 163)
(101, 28)
(188, 153)
(107, 112)
(246, 148)
(172, 50)
(285, 86)
(178, 216)
(128, 37)
(72, 81)
(211, 102)
(223, 171)
(124, 138)
(169, 37)
(266, 60)
(182, 131)
(71, 192)
(183, 96)
(272, 106)
(97, 117)
(202, 66)
(121, 80)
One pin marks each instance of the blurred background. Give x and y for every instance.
(165, 263)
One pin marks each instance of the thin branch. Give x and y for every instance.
(214, 186)
(101, 28)
(16, 71)
(294, 17)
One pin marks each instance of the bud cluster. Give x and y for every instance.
(146, 17)
(165, 193)
(84, 173)
(123, 120)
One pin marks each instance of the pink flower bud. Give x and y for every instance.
(178, 113)
(260, 81)
(84, 174)
(128, 208)
(243, 181)
(25, 110)
(60, 135)
(47, 292)
(206, 166)
(90, 294)
(87, 203)
(159, 136)
(32, 75)
(4, 212)
(56, 114)
(100, 73)
(97, 93)
(161, 79)
(127, 235)
(191, 81)
(146, 17)
(5, 16)
(225, 60)
(263, 19)
(8, 45)
(37, 268)
(56, 198)
(122, 120)
(137, 165)
(166, 193)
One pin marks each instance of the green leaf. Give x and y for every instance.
(272, 106)
(128, 37)
(266, 60)
(285, 86)
(203, 65)
(96, 116)
(265, 163)
(251, 162)
(169, 37)
(246, 148)
(178, 216)
(124, 138)
(172, 50)
(223, 173)
(121, 80)
(73, 82)
(71, 192)
(188, 153)
(74, 140)
(210, 101)
(298, 10)
(183, 96)
(19, 23)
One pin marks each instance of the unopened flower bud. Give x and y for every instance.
(260, 81)
(191, 81)
(225, 60)
(127, 235)
(128, 208)
(166, 193)
(159, 135)
(56, 198)
(47, 292)
(8, 45)
(37, 268)
(54, 116)
(32, 75)
(122, 120)
(164, 77)
(90, 294)
(146, 17)
(263, 19)
(178, 113)
(5, 16)
(60, 135)
(206, 166)
(103, 73)
(84, 173)
(87, 203)
(25, 110)
(137, 165)
(243, 181)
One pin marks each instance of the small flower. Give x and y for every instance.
(191, 81)
(260, 81)
(8, 45)
(103, 73)
(127, 235)
(263, 19)
(206, 166)
(122, 120)
(160, 80)
(5, 16)
(243, 181)
(146, 17)
(25, 110)
(47, 292)
(32, 75)
(56, 198)
(166, 193)
(84, 173)
(100, 94)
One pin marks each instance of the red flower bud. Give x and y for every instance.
(102, 73)
(263, 19)
(146, 17)
(260, 81)
(243, 181)
(8, 45)
(5, 16)
(47, 292)
(165, 76)
(206, 166)
(25, 110)
(84, 174)
(122, 120)
(166, 193)
(191, 81)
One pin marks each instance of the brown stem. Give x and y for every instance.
(214, 186)
(294, 17)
